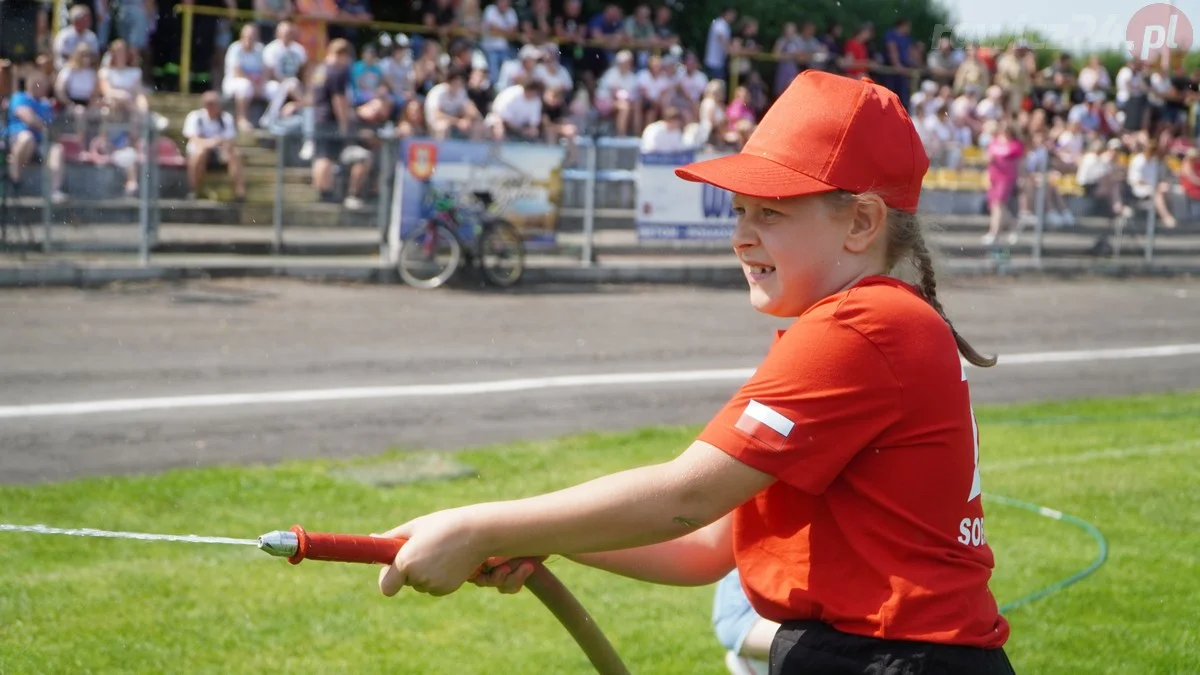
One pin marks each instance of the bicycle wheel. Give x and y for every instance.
(501, 253)
(429, 256)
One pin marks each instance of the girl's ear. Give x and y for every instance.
(869, 220)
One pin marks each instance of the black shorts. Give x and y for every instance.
(814, 648)
(328, 143)
(216, 160)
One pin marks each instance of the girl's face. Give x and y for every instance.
(414, 113)
(796, 251)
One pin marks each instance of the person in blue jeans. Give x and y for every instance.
(744, 634)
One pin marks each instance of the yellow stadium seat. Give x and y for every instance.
(973, 155)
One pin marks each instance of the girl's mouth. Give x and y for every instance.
(757, 273)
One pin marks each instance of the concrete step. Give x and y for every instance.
(256, 175)
(28, 212)
(221, 190)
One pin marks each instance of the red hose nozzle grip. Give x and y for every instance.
(352, 548)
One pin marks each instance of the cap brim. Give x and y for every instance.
(753, 176)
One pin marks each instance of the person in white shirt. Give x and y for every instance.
(692, 79)
(665, 135)
(551, 73)
(716, 48)
(1149, 178)
(519, 70)
(1094, 77)
(934, 132)
(210, 135)
(653, 83)
(617, 95)
(1070, 144)
(500, 24)
(517, 112)
(991, 107)
(77, 88)
(1100, 176)
(121, 80)
(78, 32)
(449, 110)
(1132, 89)
(245, 74)
(714, 123)
(284, 60)
(77, 83)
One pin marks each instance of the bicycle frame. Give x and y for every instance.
(467, 226)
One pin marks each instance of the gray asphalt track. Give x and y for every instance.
(155, 340)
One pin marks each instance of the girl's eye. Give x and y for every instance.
(771, 213)
(739, 211)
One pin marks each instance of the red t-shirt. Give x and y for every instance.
(856, 50)
(1192, 190)
(861, 409)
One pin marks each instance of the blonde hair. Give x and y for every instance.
(340, 47)
(81, 52)
(906, 243)
(121, 46)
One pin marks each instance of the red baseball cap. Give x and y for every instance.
(826, 132)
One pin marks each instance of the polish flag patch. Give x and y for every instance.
(764, 424)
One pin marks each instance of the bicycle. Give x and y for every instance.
(437, 247)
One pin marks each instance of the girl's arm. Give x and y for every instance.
(697, 559)
(630, 509)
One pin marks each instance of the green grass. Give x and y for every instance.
(98, 605)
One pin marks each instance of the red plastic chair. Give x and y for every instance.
(169, 154)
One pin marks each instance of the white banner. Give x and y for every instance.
(670, 208)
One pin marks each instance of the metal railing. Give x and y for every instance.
(93, 185)
(598, 201)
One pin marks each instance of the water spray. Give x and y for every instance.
(297, 545)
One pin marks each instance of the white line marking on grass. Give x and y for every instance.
(507, 386)
(1092, 456)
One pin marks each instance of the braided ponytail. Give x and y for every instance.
(906, 243)
(928, 285)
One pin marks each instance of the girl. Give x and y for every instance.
(1149, 179)
(121, 81)
(78, 88)
(842, 480)
(1004, 151)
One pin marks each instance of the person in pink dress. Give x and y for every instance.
(1004, 167)
(740, 115)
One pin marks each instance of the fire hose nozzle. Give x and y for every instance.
(297, 545)
(280, 543)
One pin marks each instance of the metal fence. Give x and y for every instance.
(89, 181)
(123, 186)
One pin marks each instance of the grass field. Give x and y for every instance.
(97, 605)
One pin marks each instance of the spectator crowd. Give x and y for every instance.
(545, 74)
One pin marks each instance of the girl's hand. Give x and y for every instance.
(505, 575)
(441, 554)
